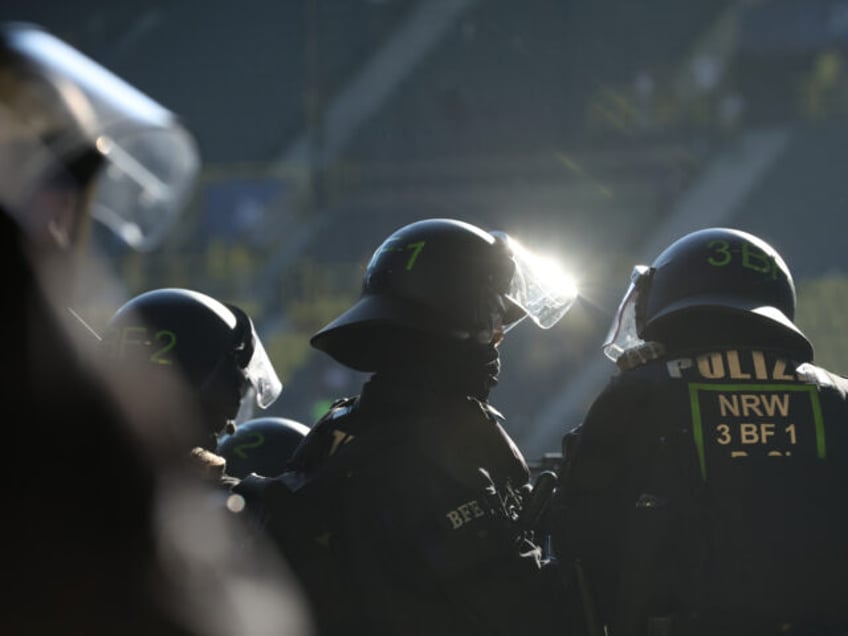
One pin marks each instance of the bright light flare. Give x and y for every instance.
(556, 279)
(541, 286)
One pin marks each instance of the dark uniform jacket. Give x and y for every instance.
(703, 494)
(413, 499)
(84, 540)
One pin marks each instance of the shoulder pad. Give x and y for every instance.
(250, 485)
(337, 409)
(345, 401)
(341, 407)
(488, 410)
(640, 355)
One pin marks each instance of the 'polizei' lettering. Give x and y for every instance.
(731, 365)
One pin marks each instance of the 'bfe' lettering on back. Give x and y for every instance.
(464, 513)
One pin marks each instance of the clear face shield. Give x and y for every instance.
(67, 105)
(539, 286)
(251, 356)
(623, 334)
(262, 376)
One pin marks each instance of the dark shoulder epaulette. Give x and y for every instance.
(345, 401)
(340, 407)
(488, 410)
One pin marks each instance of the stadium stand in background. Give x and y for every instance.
(597, 129)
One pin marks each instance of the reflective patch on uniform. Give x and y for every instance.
(738, 421)
(731, 364)
(465, 513)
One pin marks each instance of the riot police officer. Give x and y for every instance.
(188, 336)
(262, 445)
(80, 143)
(401, 510)
(697, 497)
(91, 535)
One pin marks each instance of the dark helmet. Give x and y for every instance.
(448, 278)
(713, 272)
(262, 445)
(213, 345)
(63, 117)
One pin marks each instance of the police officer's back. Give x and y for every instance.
(418, 485)
(698, 494)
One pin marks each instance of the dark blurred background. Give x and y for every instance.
(597, 130)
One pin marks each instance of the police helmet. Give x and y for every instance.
(449, 278)
(262, 445)
(715, 272)
(213, 345)
(67, 121)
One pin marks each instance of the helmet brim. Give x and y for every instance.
(768, 313)
(349, 337)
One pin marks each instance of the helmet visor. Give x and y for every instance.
(539, 285)
(624, 331)
(261, 374)
(145, 185)
(151, 160)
